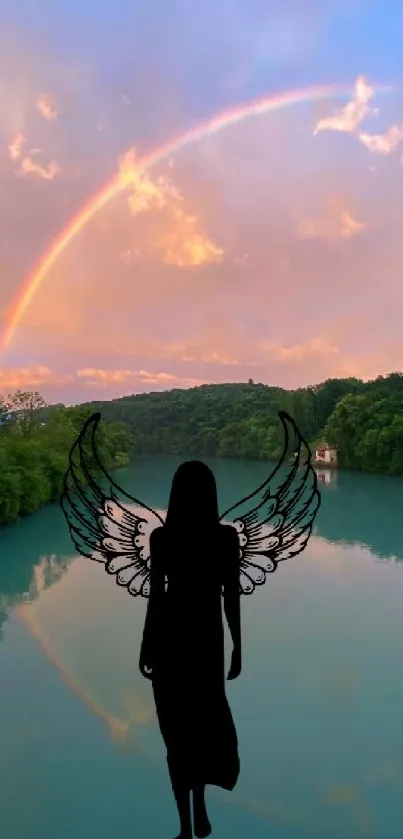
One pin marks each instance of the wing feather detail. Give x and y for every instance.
(275, 521)
(107, 525)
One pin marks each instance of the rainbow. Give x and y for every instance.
(118, 728)
(223, 120)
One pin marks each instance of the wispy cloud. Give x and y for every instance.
(49, 172)
(146, 194)
(103, 378)
(182, 243)
(31, 377)
(15, 147)
(129, 256)
(337, 223)
(296, 352)
(383, 143)
(28, 166)
(196, 352)
(92, 377)
(185, 245)
(353, 114)
(47, 107)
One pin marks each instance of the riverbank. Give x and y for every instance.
(364, 421)
(34, 457)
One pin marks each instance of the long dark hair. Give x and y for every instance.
(193, 499)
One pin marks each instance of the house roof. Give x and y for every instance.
(325, 446)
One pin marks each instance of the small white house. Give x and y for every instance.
(325, 453)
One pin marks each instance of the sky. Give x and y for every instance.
(267, 247)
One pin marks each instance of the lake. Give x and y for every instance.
(318, 706)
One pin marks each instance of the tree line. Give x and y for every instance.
(34, 450)
(363, 419)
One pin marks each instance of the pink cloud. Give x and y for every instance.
(181, 242)
(383, 143)
(353, 114)
(48, 173)
(124, 381)
(336, 223)
(15, 147)
(46, 106)
(31, 378)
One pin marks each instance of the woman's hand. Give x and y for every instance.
(236, 664)
(144, 664)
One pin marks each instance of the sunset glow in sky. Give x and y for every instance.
(199, 192)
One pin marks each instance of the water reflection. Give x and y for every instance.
(26, 570)
(91, 635)
(357, 509)
(363, 510)
(72, 617)
(321, 752)
(328, 477)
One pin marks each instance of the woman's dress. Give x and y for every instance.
(188, 662)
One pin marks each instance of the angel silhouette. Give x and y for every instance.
(186, 565)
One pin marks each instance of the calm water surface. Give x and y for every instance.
(318, 708)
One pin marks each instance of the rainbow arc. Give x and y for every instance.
(117, 184)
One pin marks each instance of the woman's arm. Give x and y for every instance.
(232, 601)
(153, 613)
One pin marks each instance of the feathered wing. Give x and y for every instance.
(107, 525)
(275, 521)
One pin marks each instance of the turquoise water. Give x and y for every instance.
(318, 707)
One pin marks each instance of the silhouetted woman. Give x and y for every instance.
(183, 642)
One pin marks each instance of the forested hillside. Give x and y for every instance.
(364, 419)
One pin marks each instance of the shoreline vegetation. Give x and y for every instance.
(364, 420)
